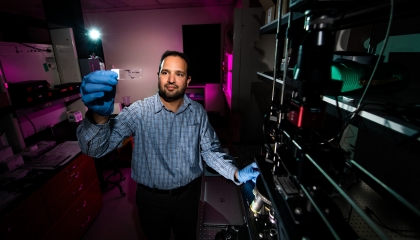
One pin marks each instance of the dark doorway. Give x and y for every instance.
(202, 46)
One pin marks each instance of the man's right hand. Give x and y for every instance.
(98, 91)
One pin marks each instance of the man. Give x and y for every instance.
(171, 133)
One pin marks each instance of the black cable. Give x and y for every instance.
(31, 123)
(45, 50)
(396, 145)
(355, 113)
(380, 53)
(349, 217)
(371, 213)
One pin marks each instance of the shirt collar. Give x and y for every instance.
(159, 105)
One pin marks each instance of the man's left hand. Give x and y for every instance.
(249, 172)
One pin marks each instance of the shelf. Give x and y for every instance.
(271, 28)
(197, 93)
(382, 119)
(358, 14)
(386, 129)
(363, 13)
(266, 77)
(37, 107)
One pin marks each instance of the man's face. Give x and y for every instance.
(173, 79)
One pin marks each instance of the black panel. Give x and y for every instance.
(202, 46)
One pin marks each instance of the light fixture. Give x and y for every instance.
(94, 34)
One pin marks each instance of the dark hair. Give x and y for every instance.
(175, 53)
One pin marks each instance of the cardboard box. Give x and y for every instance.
(276, 15)
(11, 163)
(266, 4)
(271, 14)
(5, 152)
(268, 15)
(285, 7)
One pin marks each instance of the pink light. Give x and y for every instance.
(229, 83)
(230, 62)
(229, 79)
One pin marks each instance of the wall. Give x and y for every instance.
(247, 59)
(137, 39)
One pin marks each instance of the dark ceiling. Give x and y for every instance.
(35, 9)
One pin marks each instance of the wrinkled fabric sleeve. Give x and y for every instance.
(96, 140)
(213, 153)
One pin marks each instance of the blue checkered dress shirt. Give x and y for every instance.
(168, 146)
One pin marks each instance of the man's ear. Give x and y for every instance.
(188, 80)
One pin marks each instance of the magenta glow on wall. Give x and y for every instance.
(228, 89)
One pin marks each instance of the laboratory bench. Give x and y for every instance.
(58, 203)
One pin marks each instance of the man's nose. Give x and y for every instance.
(171, 78)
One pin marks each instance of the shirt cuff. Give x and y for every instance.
(233, 178)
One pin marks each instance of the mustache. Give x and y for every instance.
(171, 85)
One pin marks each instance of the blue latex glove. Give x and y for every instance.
(98, 91)
(249, 172)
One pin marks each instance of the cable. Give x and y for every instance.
(359, 105)
(355, 113)
(349, 217)
(380, 54)
(371, 213)
(100, 59)
(358, 110)
(31, 123)
(45, 50)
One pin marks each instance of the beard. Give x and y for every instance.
(177, 94)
